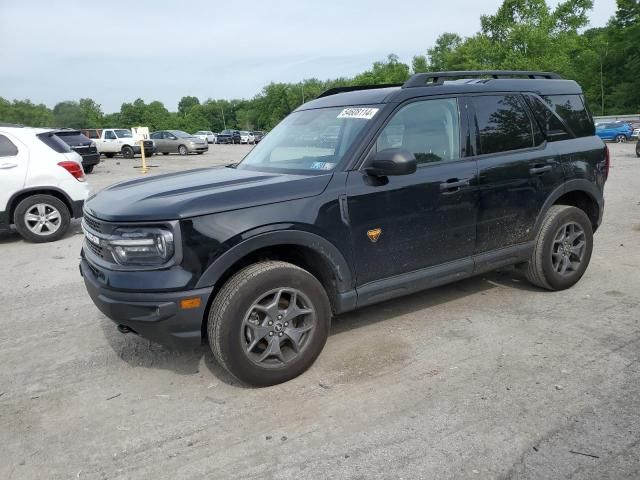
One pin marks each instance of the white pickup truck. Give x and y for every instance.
(110, 141)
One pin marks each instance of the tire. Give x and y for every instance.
(548, 262)
(638, 149)
(182, 150)
(231, 323)
(621, 138)
(43, 206)
(127, 152)
(109, 155)
(89, 169)
(165, 153)
(199, 153)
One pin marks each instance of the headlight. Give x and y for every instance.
(141, 246)
(93, 144)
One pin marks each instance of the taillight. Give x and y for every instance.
(607, 162)
(74, 169)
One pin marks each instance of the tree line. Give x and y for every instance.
(521, 35)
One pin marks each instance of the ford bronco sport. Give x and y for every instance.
(450, 175)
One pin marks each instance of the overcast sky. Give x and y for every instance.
(116, 51)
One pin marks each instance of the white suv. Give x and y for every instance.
(42, 184)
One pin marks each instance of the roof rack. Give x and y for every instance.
(353, 88)
(438, 78)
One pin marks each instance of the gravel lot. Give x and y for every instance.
(485, 378)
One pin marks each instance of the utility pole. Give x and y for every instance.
(302, 88)
(223, 120)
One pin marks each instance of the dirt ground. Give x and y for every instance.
(485, 378)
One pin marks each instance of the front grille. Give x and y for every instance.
(96, 249)
(93, 223)
(148, 143)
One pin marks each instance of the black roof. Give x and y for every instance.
(448, 83)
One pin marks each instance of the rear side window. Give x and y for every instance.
(550, 124)
(572, 109)
(502, 123)
(53, 142)
(7, 148)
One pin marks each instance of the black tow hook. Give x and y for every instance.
(124, 329)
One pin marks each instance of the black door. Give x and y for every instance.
(517, 170)
(405, 223)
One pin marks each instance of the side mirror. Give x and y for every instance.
(392, 161)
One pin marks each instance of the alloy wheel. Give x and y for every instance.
(277, 327)
(568, 249)
(43, 219)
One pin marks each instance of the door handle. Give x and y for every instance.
(6, 166)
(538, 169)
(453, 185)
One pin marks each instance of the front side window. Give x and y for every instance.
(429, 129)
(310, 140)
(109, 135)
(7, 148)
(502, 123)
(123, 133)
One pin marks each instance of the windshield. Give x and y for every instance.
(309, 140)
(123, 134)
(181, 134)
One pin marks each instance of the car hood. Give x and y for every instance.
(198, 192)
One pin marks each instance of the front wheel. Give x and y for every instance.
(621, 139)
(638, 149)
(269, 323)
(562, 249)
(182, 150)
(41, 218)
(109, 155)
(127, 152)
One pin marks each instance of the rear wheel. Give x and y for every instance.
(269, 323)
(127, 152)
(109, 155)
(621, 139)
(562, 248)
(88, 169)
(41, 218)
(165, 153)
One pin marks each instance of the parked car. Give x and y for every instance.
(228, 136)
(614, 131)
(206, 135)
(247, 137)
(258, 135)
(43, 184)
(638, 148)
(177, 141)
(636, 133)
(83, 146)
(92, 133)
(258, 257)
(114, 141)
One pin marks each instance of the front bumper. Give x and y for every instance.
(155, 316)
(198, 148)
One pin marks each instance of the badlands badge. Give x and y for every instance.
(374, 234)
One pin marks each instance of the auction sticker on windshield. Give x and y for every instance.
(364, 113)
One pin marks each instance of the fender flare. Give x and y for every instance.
(328, 251)
(575, 185)
(11, 204)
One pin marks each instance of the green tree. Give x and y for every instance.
(186, 104)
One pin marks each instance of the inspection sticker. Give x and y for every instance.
(365, 113)
(322, 165)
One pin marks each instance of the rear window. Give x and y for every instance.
(572, 109)
(73, 138)
(503, 124)
(54, 142)
(7, 148)
(91, 133)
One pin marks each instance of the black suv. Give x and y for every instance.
(439, 179)
(82, 145)
(228, 136)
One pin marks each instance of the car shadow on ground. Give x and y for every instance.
(12, 236)
(139, 352)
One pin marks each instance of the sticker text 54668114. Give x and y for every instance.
(358, 112)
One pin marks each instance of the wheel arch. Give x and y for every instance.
(17, 197)
(304, 249)
(578, 193)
